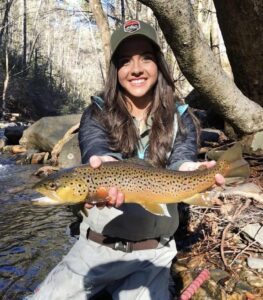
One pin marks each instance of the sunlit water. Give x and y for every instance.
(32, 239)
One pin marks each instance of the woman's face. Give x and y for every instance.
(137, 68)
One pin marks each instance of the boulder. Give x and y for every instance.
(255, 231)
(70, 154)
(46, 132)
(253, 144)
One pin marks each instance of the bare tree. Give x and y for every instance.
(8, 4)
(103, 26)
(5, 30)
(24, 3)
(197, 62)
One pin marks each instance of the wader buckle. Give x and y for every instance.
(123, 246)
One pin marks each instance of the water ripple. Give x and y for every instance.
(33, 239)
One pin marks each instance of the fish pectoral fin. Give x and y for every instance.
(200, 200)
(153, 208)
(100, 197)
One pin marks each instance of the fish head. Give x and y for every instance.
(65, 187)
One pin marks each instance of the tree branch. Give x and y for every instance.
(198, 64)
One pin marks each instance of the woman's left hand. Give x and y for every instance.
(191, 166)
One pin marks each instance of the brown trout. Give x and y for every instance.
(144, 185)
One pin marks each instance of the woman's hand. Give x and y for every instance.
(115, 197)
(191, 166)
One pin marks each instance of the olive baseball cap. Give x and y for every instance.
(132, 28)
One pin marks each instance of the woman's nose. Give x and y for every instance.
(137, 67)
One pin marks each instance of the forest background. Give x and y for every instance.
(54, 54)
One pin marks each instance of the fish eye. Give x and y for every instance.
(52, 185)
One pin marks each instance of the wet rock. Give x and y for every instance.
(18, 149)
(2, 143)
(38, 158)
(255, 262)
(7, 124)
(7, 148)
(46, 132)
(14, 134)
(25, 157)
(70, 154)
(46, 157)
(255, 231)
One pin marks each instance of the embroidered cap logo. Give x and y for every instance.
(131, 26)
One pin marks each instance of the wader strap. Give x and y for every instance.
(120, 244)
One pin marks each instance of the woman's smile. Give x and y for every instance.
(138, 82)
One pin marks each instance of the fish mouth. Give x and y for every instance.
(49, 198)
(45, 201)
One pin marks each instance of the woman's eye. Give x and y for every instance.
(124, 62)
(148, 57)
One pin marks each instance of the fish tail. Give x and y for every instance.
(236, 165)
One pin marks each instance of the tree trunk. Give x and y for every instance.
(241, 24)
(103, 27)
(24, 34)
(122, 11)
(198, 64)
(5, 20)
(214, 39)
(6, 82)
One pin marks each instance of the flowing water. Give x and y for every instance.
(32, 239)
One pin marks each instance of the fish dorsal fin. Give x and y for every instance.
(199, 200)
(153, 208)
(138, 161)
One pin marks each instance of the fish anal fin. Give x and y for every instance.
(84, 211)
(203, 199)
(153, 208)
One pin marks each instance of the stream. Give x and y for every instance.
(33, 239)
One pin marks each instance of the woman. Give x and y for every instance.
(123, 248)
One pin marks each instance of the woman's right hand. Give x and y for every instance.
(115, 197)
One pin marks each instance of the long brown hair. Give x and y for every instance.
(123, 134)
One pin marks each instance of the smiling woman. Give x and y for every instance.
(127, 250)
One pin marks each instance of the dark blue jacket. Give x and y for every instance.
(135, 223)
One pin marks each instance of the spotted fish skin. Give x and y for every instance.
(145, 185)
